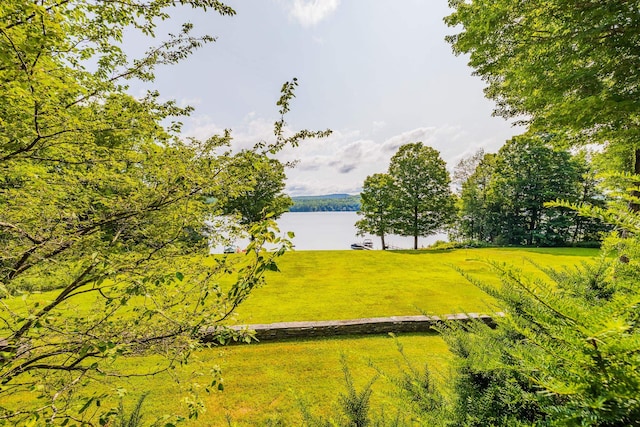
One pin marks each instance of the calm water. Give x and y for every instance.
(335, 230)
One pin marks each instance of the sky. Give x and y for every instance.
(378, 73)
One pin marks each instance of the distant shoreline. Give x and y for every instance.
(326, 203)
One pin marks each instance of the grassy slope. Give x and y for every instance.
(263, 382)
(311, 371)
(324, 285)
(267, 382)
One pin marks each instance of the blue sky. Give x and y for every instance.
(377, 72)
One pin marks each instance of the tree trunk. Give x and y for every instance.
(532, 227)
(415, 227)
(633, 207)
(384, 246)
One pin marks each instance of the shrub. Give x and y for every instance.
(442, 245)
(566, 353)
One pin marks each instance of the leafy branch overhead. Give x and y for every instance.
(565, 67)
(566, 352)
(287, 93)
(107, 211)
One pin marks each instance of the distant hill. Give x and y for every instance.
(326, 203)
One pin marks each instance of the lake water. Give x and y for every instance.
(334, 231)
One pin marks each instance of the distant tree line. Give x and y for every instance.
(332, 203)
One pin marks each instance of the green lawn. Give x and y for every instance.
(325, 285)
(265, 382)
(331, 285)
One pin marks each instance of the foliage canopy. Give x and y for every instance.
(565, 66)
(413, 199)
(503, 200)
(262, 180)
(377, 205)
(101, 200)
(566, 352)
(424, 201)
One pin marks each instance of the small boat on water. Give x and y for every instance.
(366, 244)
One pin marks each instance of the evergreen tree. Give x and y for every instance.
(566, 351)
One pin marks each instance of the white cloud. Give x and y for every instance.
(422, 134)
(341, 162)
(309, 13)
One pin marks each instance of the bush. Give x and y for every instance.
(442, 245)
(566, 353)
(589, 244)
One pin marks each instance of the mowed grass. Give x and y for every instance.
(334, 285)
(326, 285)
(265, 382)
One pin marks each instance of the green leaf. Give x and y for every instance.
(86, 405)
(272, 266)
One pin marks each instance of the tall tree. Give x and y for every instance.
(475, 219)
(465, 168)
(101, 203)
(503, 201)
(564, 65)
(423, 199)
(258, 195)
(529, 173)
(377, 206)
